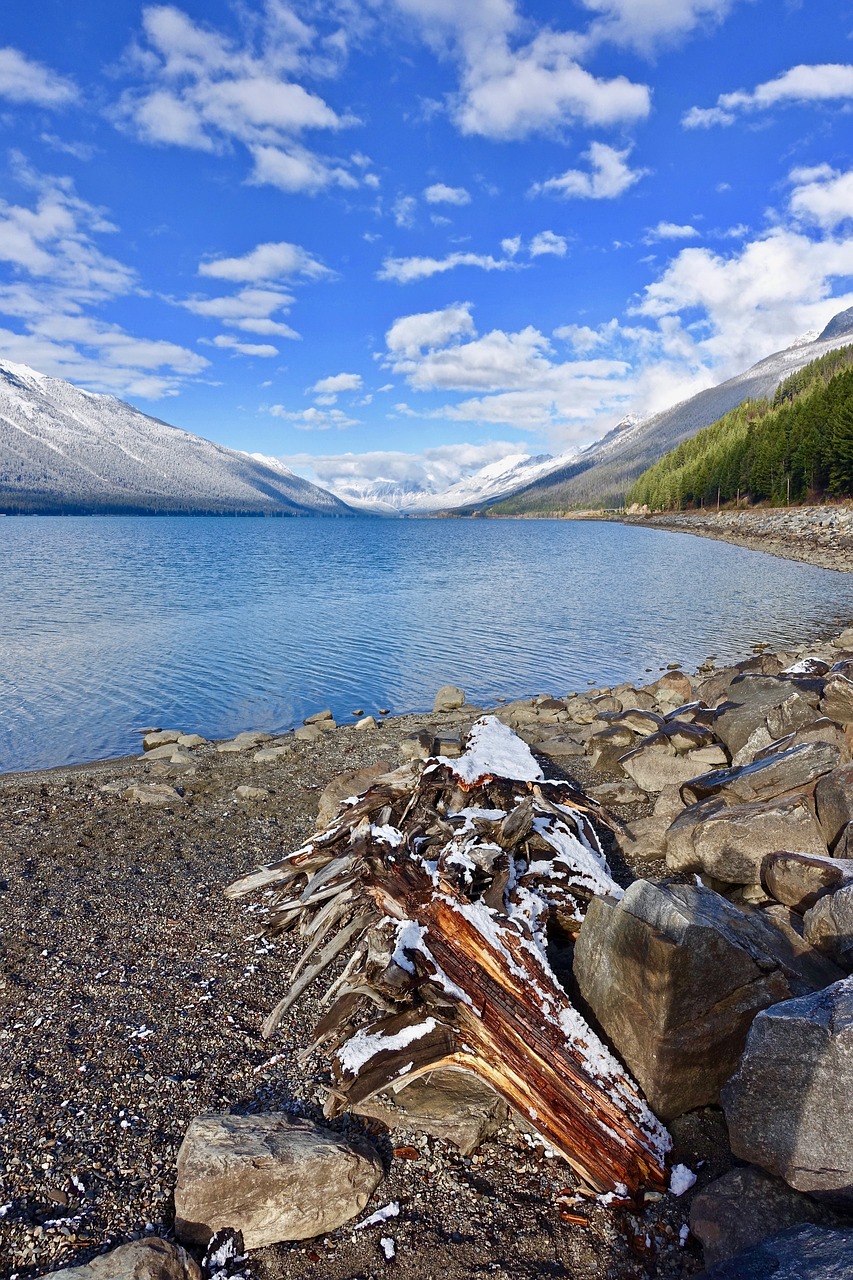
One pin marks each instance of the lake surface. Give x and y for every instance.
(109, 625)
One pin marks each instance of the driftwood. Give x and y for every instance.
(439, 888)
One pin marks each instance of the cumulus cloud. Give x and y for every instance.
(822, 196)
(510, 87)
(413, 334)
(24, 80)
(826, 82)
(670, 231)
(645, 24)
(203, 90)
(608, 176)
(58, 270)
(440, 193)
(251, 310)
(338, 382)
(403, 211)
(266, 262)
(313, 419)
(548, 242)
(407, 270)
(431, 469)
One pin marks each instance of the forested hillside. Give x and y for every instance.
(797, 447)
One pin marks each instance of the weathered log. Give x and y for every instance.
(443, 886)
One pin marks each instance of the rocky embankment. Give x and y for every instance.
(821, 536)
(134, 996)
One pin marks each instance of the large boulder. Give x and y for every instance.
(750, 699)
(448, 698)
(743, 1208)
(270, 1177)
(837, 700)
(656, 763)
(674, 975)
(806, 1252)
(151, 1259)
(729, 842)
(834, 800)
(799, 879)
(765, 778)
(828, 926)
(789, 1106)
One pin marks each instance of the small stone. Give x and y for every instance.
(253, 793)
(308, 733)
(191, 741)
(619, 792)
(161, 738)
(318, 717)
(366, 722)
(844, 640)
(270, 755)
(417, 746)
(152, 793)
(448, 698)
(243, 742)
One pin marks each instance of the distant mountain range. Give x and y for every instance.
(602, 474)
(67, 450)
(397, 498)
(71, 451)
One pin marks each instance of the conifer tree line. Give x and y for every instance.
(797, 447)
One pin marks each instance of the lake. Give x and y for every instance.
(213, 625)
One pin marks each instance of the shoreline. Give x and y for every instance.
(819, 536)
(134, 993)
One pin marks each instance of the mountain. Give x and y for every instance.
(602, 474)
(65, 450)
(399, 498)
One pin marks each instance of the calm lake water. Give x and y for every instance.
(108, 625)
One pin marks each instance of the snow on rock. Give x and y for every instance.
(494, 751)
(681, 1179)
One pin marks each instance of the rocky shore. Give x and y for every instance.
(134, 994)
(822, 536)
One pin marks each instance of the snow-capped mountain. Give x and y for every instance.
(65, 449)
(601, 475)
(400, 498)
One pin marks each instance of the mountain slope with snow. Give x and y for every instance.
(63, 449)
(601, 475)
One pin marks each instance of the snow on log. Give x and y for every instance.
(440, 887)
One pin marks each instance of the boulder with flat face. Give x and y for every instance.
(799, 879)
(674, 974)
(150, 1259)
(729, 842)
(743, 1208)
(801, 1253)
(449, 1104)
(773, 774)
(271, 1177)
(828, 925)
(750, 698)
(789, 1105)
(834, 801)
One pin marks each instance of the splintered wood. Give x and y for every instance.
(439, 887)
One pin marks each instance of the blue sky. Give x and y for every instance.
(381, 235)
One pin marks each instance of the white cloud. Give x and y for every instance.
(608, 176)
(432, 469)
(403, 211)
(827, 82)
(250, 310)
(24, 80)
(822, 196)
(406, 270)
(646, 24)
(511, 245)
(266, 262)
(439, 193)
(512, 89)
(263, 349)
(313, 419)
(202, 90)
(410, 335)
(548, 242)
(670, 231)
(337, 383)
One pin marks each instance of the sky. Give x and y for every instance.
(396, 238)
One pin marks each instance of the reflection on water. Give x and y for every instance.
(216, 625)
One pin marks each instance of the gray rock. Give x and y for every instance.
(669, 803)
(253, 793)
(834, 801)
(270, 1177)
(160, 738)
(644, 840)
(559, 747)
(150, 1259)
(729, 842)
(448, 746)
(619, 792)
(153, 793)
(844, 639)
(799, 879)
(789, 1106)
(752, 697)
(164, 752)
(673, 689)
(828, 925)
(271, 755)
(606, 747)
(820, 730)
(801, 1253)
(448, 1104)
(307, 733)
(345, 785)
(243, 742)
(674, 975)
(837, 700)
(191, 740)
(318, 717)
(642, 722)
(448, 698)
(417, 746)
(366, 722)
(743, 1208)
(654, 764)
(770, 776)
